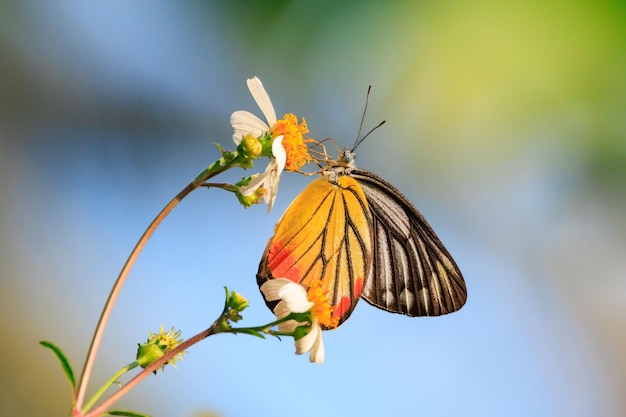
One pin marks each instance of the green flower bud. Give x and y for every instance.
(148, 354)
(254, 198)
(237, 301)
(250, 200)
(157, 345)
(251, 147)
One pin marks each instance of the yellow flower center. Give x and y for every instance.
(321, 310)
(293, 140)
(169, 340)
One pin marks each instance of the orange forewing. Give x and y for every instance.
(325, 234)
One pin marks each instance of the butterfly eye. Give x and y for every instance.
(347, 156)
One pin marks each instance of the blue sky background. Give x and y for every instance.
(505, 127)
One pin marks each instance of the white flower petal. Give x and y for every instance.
(272, 191)
(269, 180)
(281, 310)
(317, 350)
(262, 100)
(245, 123)
(270, 288)
(273, 178)
(253, 185)
(295, 297)
(280, 155)
(304, 344)
(289, 326)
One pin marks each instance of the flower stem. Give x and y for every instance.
(217, 167)
(267, 328)
(106, 386)
(216, 328)
(106, 404)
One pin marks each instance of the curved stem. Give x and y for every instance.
(216, 328)
(106, 404)
(214, 169)
(117, 287)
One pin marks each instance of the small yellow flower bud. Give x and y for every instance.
(251, 147)
(237, 301)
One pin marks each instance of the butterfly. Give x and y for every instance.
(360, 237)
(363, 238)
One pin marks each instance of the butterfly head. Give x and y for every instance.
(346, 158)
(343, 165)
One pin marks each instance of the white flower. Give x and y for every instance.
(245, 123)
(271, 177)
(294, 299)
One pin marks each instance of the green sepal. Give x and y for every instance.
(301, 331)
(65, 363)
(249, 331)
(300, 317)
(126, 413)
(227, 156)
(266, 141)
(244, 181)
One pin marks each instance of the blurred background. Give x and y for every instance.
(506, 126)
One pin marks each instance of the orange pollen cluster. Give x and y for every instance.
(293, 140)
(322, 310)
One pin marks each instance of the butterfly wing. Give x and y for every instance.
(412, 271)
(325, 235)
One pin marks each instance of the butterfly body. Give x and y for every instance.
(362, 238)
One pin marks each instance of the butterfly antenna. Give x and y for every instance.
(358, 142)
(367, 99)
(360, 139)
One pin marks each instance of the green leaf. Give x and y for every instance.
(65, 363)
(126, 413)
